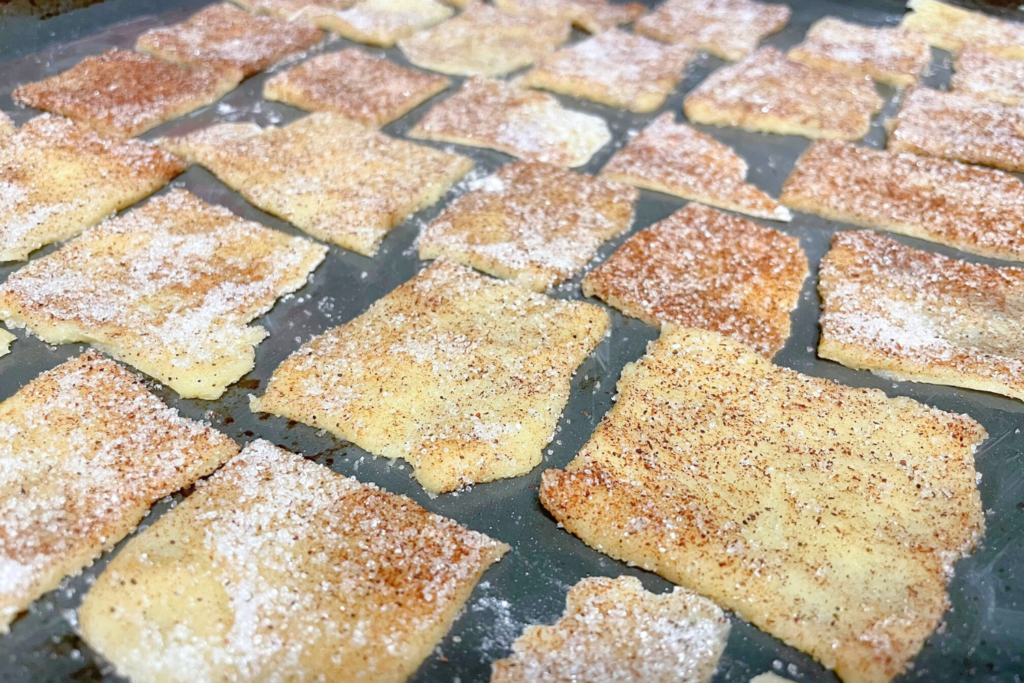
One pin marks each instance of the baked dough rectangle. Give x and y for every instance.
(970, 208)
(826, 515)
(592, 16)
(85, 449)
(981, 73)
(954, 28)
(277, 568)
(730, 29)
(380, 22)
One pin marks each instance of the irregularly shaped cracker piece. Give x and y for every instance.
(981, 73)
(768, 93)
(85, 449)
(533, 223)
(769, 677)
(891, 55)
(615, 68)
(126, 93)
(484, 41)
(730, 29)
(922, 317)
(279, 569)
(293, 10)
(593, 16)
(703, 268)
(6, 339)
(364, 88)
(954, 28)
(169, 288)
(327, 175)
(826, 515)
(380, 22)
(462, 376)
(6, 125)
(58, 177)
(530, 125)
(225, 37)
(975, 209)
(676, 159)
(614, 630)
(960, 127)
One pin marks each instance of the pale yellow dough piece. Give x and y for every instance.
(6, 339)
(675, 159)
(533, 223)
(592, 16)
(954, 28)
(58, 177)
(826, 515)
(484, 41)
(462, 376)
(770, 94)
(526, 124)
(327, 175)
(380, 22)
(615, 68)
(293, 10)
(85, 449)
(769, 677)
(730, 29)
(277, 569)
(981, 73)
(614, 630)
(168, 287)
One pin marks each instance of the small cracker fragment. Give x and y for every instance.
(125, 93)
(533, 223)
(922, 317)
(327, 175)
(730, 29)
(978, 210)
(462, 376)
(891, 55)
(954, 28)
(484, 41)
(675, 159)
(526, 124)
(380, 22)
(826, 515)
(293, 10)
(58, 177)
(769, 677)
(168, 287)
(85, 450)
(6, 339)
(592, 16)
(960, 127)
(703, 268)
(277, 568)
(615, 68)
(981, 73)
(768, 93)
(6, 125)
(364, 88)
(614, 630)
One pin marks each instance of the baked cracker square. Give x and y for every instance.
(277, 568)
(730, 29)
(533, 223)
(380, 22)
(984, 74)
(168, 288)
(954, 28)
(462, 376)
(85, 450)
(592, 16)
(826, 515)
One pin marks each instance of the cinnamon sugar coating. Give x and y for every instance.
(85, 449)
(981, 73)
(703, 268)
(975, 209)
(277, 568)
(730, 29)
(954, 28)
(826, 515)
(592, 16)
(125, 93)
(380, 22)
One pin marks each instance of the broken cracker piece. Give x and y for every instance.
(380, 22)
(6, 339)
(592, 16)
(703, 268)
(277, 568)
(58, 177)
(484, 41)
(126, 93)
(921, 317)
(826, 515)
(292, 10)
(614, 630)
(462, 376)
(678, 160)
(168, 287)
(533, 223)
(730, 29)
(364, 88)
(327, 175)
(891, 55)
(768, 93)
(769, 677)
(980, 73)
(6, 125)
(526, 124)
(615, 68)
(85, 450)
(954, 28)
(966, 207)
